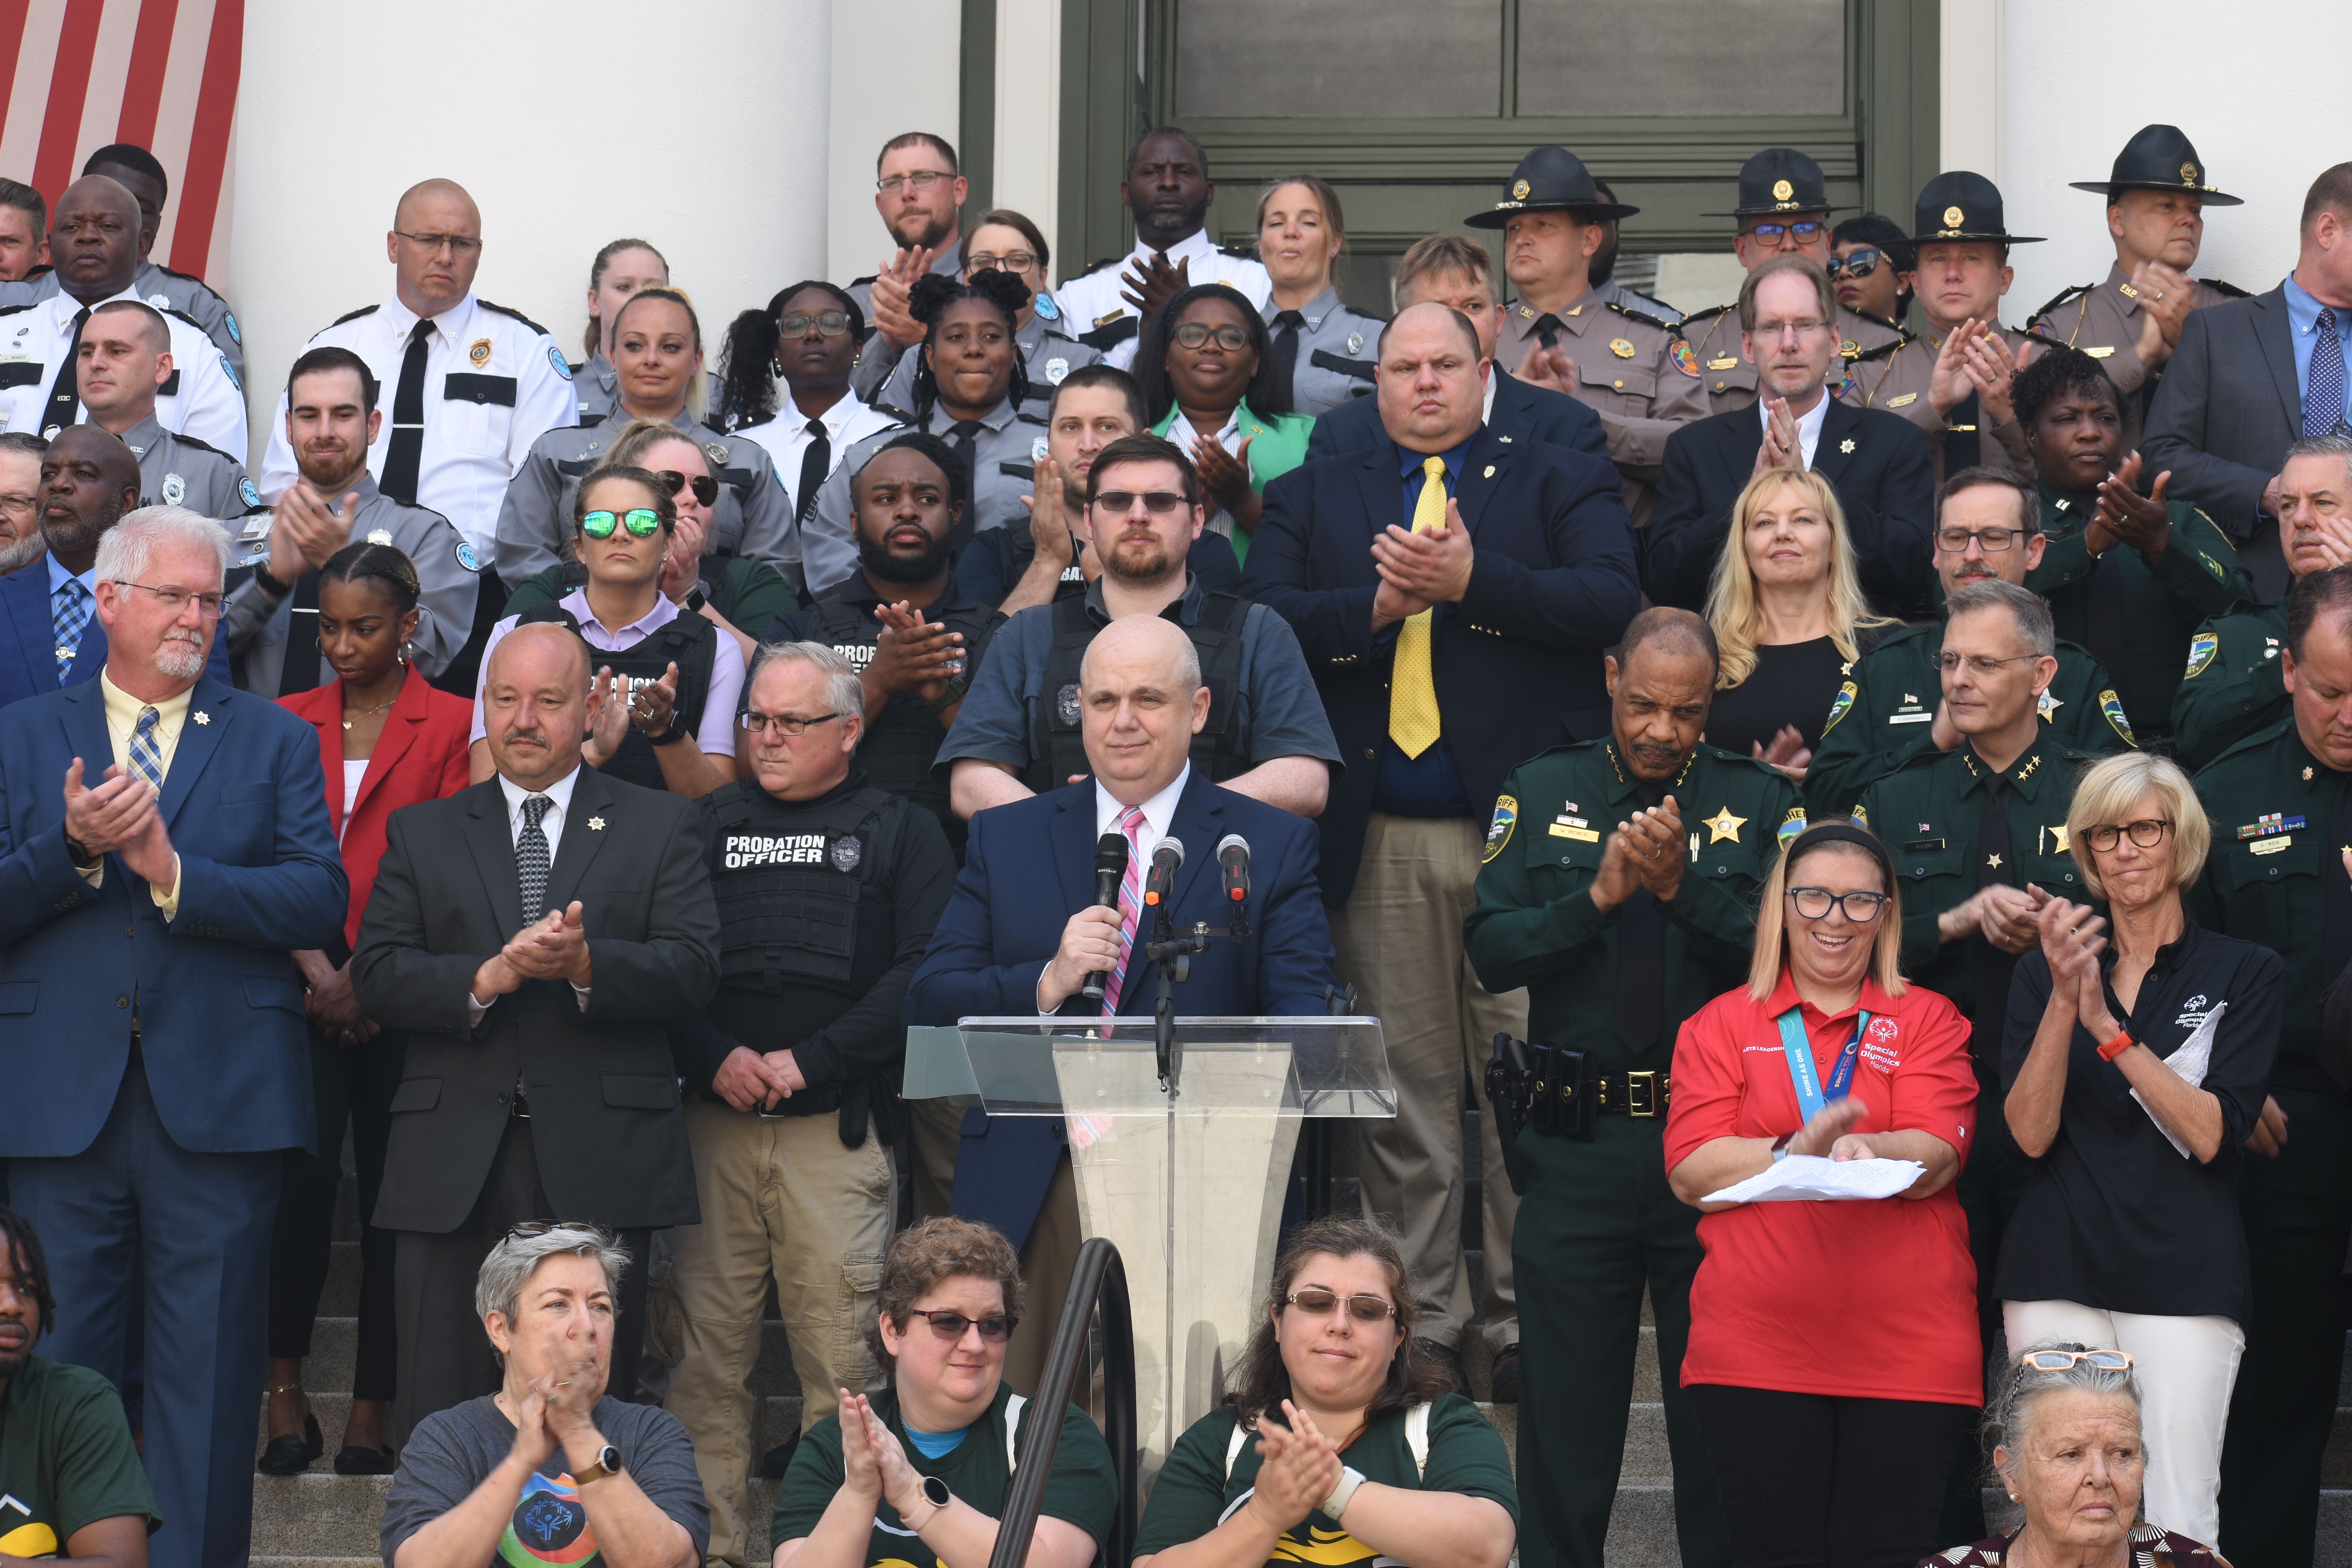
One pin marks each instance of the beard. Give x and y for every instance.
(83, 532)
(23, 553)
(181, 656)
(1144, 569)
(877, 559)
(919, 231)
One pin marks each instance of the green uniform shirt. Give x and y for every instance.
(2232, 689)
(1928, 813)
(1195, 1489)
(2273, 808)
(2160, 601)
(1535, 924)
(65, 1460)
(1883, 713)
(1083, 1490)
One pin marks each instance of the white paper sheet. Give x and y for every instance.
(2195, 1055)
(1822, 1180)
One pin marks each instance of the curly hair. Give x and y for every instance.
(28, 1264)
(1260, 1381)
(939, 452)
(1267, 393)
(2053, 371)
(747, 358)
(929, 302)
(937, 1250)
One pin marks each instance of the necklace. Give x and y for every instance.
(379, 708)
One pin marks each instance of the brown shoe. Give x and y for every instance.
(1444, 1356)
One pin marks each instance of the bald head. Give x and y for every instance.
(1144, 702)
(1144, 639)
(435, 246)
(1675, 632)
(94, 238)
(1431, 380)
(535, 703)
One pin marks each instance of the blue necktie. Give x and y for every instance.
(146, 756)
(2323, 398)
(68, 618)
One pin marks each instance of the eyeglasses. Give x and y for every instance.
(1805, 230)
(642, 521)
(826, 323)
(1316, 1303)
(706, 488)
(1196, 335)
(2147, 833)
(1772, 332)
(456, 244)
(1981, 663)
(757, 723)
(174, 600)
(921, 179)
(1991, 540)
(1011, 261)
(950, 1326)
(531, 1227)
(1857, 263)
(2061, 1360)
(1159, 503)
(1815, 904)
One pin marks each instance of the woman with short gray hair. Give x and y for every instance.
(2064, 1432)
(549, 1468)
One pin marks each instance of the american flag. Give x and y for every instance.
(160, 73)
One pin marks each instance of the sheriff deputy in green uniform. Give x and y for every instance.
(2127, 575)
(1889, 711)
(2233, 688)
(1619, 886)
(1979, 837)
(2280, 805)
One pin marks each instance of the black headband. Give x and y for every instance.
(1841, 830)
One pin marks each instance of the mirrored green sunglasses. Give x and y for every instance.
(642, 521)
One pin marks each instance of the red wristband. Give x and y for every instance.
(2117, 1046)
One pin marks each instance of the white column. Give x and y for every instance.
(1969, 86)
(894, 69)
(1029, 116)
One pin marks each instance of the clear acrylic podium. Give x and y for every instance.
(1187, 1184)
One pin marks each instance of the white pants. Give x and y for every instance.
(2185, 1367)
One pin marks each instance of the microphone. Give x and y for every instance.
(1159, 887)
(1110, 871)
(1233, 859)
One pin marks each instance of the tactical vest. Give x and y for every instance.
(1056, 735)
(688, 641)
(787, 885)
(902, 743)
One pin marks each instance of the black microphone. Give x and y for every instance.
(1110, 871)
(1159, 887)
(1232, 856)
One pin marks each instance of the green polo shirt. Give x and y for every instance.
(2161, 599)
(2231, 688)
(1884, 714)
(65, 1460)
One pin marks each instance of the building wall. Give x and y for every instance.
(880, 50)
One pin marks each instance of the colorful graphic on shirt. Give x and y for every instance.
(29, 1540)
(548, 1525)
(1322, 1548)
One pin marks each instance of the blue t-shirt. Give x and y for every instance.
(934, 1444)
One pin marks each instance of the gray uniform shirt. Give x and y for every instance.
(1338, 348)
(1047, 354)
(596, 384)
(1899, 383)
(1004, 467)
(257, 623)
(753, 516)
(180, 470)
(946, 264)
(166, 290)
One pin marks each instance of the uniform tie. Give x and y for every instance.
(817, 466)
(1412, 686)
(2323, 397)
(1286, 347)
(300, 671)
(146, 756)
(530, 858)
(1130, 904)
(1641, 957)
(1963, 438)
(406, 451)
(1548, 329)
(2109, 630)
(65, 392)
(68, 618)
(965, 435)
(1992, 966)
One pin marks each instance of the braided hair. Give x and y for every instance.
(389, 569)
(929, 302)
(747, 358)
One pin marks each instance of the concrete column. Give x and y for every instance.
(1970, 86)
(1029, 116)
(894, 70)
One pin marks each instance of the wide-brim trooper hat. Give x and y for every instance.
(1959, 205)
(1551, 178)
(2159, 158)
(1780, 180)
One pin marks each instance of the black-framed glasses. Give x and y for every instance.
(994, 1329)
(828, 323)
(642, 521)
(2063, 1361)
(1805, 230)
(1196, 335)
(1991, 540)
(1318, 1302)
(2147, 833)
(754, 722)
(1011, 261)
(174, 600)
(1159, 503)
(921, 179)
(1981, 663)
(706, 488)
(458, 244)
(1859, 907)
(1859, 262)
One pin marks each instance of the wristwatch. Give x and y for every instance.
(1332, 1507)
(1781, 1146)
(270, 585)
(935, 1492)
(676, 732)
(608, 1463)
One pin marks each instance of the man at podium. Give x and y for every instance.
(1025, 929)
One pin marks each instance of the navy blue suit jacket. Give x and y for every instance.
(1518, 661)
(1027, 870)
(1878, 463)
(1522, 413)
(219, 1000)
(28, 645)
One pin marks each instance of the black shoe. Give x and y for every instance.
(357, 1461)
(778, 1460)
(290, 1455)
(1505, 1380)
(1445, 1357)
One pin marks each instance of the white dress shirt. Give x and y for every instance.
(1809, 425)
(1099, 298)
(786, 438)
(1159, 812)
(202, 399)
(550, 823)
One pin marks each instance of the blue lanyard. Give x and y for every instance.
(1799, 1052)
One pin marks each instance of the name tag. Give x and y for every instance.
(1903, 401)
(2271, 845)
(1909, 718)
(1588, 836)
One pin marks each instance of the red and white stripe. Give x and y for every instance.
(160, 73)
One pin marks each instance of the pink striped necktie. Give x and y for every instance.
(1130, 902)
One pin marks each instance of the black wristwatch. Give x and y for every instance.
(936, 1493)
(270, 585)
(608, 1463)
(676, 732)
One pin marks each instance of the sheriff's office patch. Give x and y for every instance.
(1498, 832)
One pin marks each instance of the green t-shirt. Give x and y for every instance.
(65, 1460)
(1083, 1490)
(1194, 1492)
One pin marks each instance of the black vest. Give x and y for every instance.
(1057, 736)
(786, 879)
(901, 744)
(688, 641)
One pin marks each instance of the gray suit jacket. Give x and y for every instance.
(2227, 408)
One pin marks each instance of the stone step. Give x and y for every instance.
(317, 1516)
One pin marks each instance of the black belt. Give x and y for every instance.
(1640, 1095)
(808, 1102)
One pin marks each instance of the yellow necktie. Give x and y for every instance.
(1413, 688)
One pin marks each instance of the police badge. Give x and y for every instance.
(379, 536)
(1065, 705)
(175, 489)
(845, 854)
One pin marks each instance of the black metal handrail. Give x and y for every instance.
(1098, 1280)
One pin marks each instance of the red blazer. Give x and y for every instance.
(421, 756)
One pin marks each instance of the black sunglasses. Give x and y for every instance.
(706, 488)
(1853, 264)
(951, 1326)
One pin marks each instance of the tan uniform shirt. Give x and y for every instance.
(1730, 380)
(2104, 322)
(1898, 383)
(1632, 369)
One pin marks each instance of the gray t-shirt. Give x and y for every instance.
(453, 1451)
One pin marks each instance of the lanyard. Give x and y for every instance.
(1799, 1052)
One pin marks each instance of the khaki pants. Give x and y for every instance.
(1399, 940)
(780, 1196)
(934, 1136)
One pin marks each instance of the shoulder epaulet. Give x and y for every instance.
(187, 277)
(1661, 304)
(589, 424)
(2254, 742)
(1031, 419)
(1710, 314)
(186, 440)
(894, 411)
(355, 315)
(2219, 287)
(577, 366)
(182, 315)
(1645, 318)
(1892, 346)
(1236, 253)
(2057, 299)
(1061, 337)
(1369, 315)
(1904, 634)
(1097, 267)
(862, 282)
(12, 310)
(1878, 321)
(2075, 649)
(509, 310)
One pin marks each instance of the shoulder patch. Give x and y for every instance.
(1842, 707)
(2111, 708)
(1498, 832)
(1642, 316)
(2219, 287)
(2202, 649)
(1686, 357)
(248, 492)
(555, 358)
(355, 315)
(1791, 826)
(513, 314)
